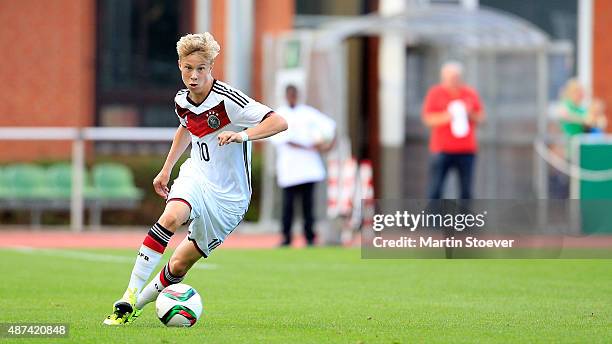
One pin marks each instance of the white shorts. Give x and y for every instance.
(210, 220)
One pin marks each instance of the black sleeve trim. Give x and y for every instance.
(266, 115)
(230, 97)
(233, 91)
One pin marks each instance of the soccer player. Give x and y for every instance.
(213, 188)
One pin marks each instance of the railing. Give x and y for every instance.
(79, 136)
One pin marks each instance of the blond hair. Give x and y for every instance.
(203, 44)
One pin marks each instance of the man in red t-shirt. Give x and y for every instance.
(452, 110)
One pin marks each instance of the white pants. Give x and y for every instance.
(211, 222)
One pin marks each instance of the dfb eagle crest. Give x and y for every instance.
(213, 120)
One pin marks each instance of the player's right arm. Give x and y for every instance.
(431, 115)
(566, 115)
(434, 119)
(181, 140)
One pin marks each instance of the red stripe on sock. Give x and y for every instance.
(153, 244)
(162, 278)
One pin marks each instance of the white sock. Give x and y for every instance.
(146, 262)
(157, 284)
(149, 255)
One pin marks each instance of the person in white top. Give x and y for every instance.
(299, 165)
(213, 189)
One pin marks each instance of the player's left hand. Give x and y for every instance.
(228, 137)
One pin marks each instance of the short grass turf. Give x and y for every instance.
(323, 295)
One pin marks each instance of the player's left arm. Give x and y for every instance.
(325, 147)
(477, 116)
(271, 124)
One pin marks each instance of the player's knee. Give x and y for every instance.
(170, 221)
(179, 266)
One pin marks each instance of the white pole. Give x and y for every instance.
(392, 90)
(585, 44)
(202, 21)
(541, 168)
(392, 74)
(239, 43)
(268, 192)
(470, 4)
(76, 199)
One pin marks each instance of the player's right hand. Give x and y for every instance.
(160, 184)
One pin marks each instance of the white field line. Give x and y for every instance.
(90, 256)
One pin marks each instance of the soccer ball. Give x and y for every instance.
(178, 305)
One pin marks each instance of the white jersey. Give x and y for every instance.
(225, 170)
(297, 165)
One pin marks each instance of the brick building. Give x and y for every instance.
(105, 63)
(87, 62)
(602, 53)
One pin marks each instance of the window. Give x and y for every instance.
(324, 7)
(558, 18)
(137, 74)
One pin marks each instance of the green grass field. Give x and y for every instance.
(321, 296)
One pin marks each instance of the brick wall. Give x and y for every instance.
(218, 26)
(271, 17)
(602, 54)
(47, 71)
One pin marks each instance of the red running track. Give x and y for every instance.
(120, 239)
